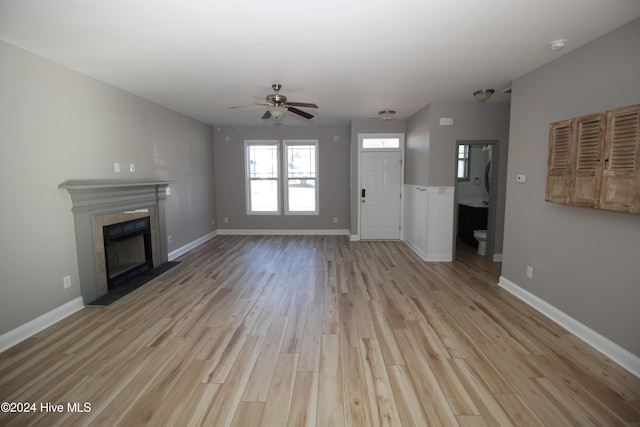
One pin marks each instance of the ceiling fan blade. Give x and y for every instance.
(302, 104)
(266, 115)
(242, 106)
(258, 108)
(300, 112)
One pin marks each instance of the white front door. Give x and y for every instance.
(380, 189)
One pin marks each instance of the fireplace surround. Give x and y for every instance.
(101, 203)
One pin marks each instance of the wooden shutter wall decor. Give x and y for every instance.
(586, 167)
(621, 174)
(560, 134)
(594, 161)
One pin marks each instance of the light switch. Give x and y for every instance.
(521, 179)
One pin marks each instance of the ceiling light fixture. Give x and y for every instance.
(483, 95)
(277, 111)
(386, 114)
(557, 44)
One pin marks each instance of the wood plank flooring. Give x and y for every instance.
(316, 331)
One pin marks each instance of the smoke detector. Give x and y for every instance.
(557, 44)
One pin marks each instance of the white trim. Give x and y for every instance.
(416, 249)
(354, 237)
(428, 258)
(622, 357)
(439, 258)
(239, 232)
(31, 328)
(192, 245)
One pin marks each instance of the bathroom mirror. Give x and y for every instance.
(487, 177)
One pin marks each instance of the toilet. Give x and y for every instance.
(481, 237)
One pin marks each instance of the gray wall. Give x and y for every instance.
(585, 261)
(333, 178)
(431, 148)
(57, 124)
(418, 143)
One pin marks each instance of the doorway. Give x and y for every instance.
(476, 195)
(380, 186)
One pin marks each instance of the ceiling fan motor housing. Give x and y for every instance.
(276, 99)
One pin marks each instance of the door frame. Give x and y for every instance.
(493, 196)
(401, 137)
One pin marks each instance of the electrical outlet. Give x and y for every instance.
(132, 167)
(226, 220)
(116, 167)
(530, 272)
(213, 221)
(66, 282)
(335, 219)
(170, 238)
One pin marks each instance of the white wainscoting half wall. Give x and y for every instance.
(428, 221)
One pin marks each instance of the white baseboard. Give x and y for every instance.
(497, 257)
(31, 328)
(354, 237)
(416, 249)
(192, 245)
(239, 232)
(439, 258)
(610, 349)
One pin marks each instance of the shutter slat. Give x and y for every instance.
(589, 137)
(624, 141)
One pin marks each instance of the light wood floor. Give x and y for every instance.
(299, 331)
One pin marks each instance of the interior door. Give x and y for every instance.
(380, 190)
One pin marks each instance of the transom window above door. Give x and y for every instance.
(380, 142)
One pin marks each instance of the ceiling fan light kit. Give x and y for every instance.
(386, 114)
(483, 95)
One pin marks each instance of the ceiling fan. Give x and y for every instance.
(278, 104)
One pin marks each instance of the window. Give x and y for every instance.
(301, 193)
(463, 162)
(369, 143)
(299, 167)
(262, 177)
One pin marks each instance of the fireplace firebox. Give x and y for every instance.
(127, 249)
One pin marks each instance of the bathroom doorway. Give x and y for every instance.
(475, 202)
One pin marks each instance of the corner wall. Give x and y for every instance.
(57, 124)
(431, 148)
(584, 260)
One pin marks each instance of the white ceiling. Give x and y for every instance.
(351, 57)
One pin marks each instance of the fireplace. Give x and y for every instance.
(122, 221)
(128, 251)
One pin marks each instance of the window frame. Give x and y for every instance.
(247, 159)
(285, 167)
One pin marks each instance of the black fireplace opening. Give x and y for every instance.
(127, 249)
